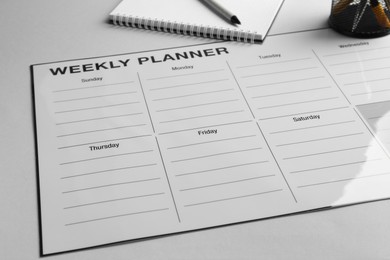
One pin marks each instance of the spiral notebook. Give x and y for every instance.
(193, 17)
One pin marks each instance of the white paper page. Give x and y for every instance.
(255, 16)
(139, 145)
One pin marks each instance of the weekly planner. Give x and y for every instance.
(146, 144)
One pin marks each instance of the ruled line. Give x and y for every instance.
(97, 86)
(297, 103)
(375, 104)
(302, 113)
(198, 105)
(208, 126)
(284, 82)
(113, 200)
(233, 198)
(110, 185)
(359, 61)
(226, 183)
(376, 117)
(371, 92)
(290, 92)
(277, 62)
(317, 126)
(216, 154)
(92, 97)
(103, 141)
(342, 180)
(116, 216)
(104, 157)
(195, 94)
(362, 71)
(189, 84)
(213, 141)
(109, 170)
(277, 72)
(319, 139)
(97, 107)
(202, 116)
(188, 74)
(98, 118)
(365, 81)
(100, 130)
(354, 52)
(328, 152)
(335, 166)
(222, 168)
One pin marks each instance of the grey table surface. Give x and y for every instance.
(42, 31)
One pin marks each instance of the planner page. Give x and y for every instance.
(139, 145)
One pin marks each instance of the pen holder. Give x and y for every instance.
(361, 18)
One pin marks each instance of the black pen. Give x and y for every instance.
(222, 11)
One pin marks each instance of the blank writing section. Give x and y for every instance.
(362, 71)
(215, 170)
(106, 165)
(193, 96)
(287, 84)
(323, 153)
(127, 181)
(97, 114)
(117, 190)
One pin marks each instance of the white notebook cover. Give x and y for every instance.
(256, 16)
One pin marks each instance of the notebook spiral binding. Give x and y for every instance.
(186, 29)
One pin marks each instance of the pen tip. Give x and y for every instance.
(235, 20)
